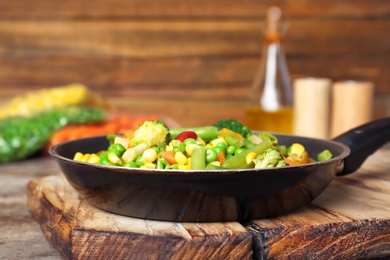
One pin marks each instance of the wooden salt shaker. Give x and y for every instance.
(312, 107)
(352, 105)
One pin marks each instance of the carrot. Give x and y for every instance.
(292, 162)
(169, 156)
(226, 131)
(117, 123)
(221, 157)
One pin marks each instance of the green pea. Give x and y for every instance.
(138, 161)
(222, 146)
(219, 149)
(130, 165)
(239, 150)
(189, 141)
(118, 149)
(178, 146)
(172, 167)
(211, 155)
(104, 158)
(231, 149)
(156, 148)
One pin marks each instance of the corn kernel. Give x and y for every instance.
(297, 149)
(200, 141)
(180, 158)
(148, 165)
(149, 156)
(78, 156)
(217, 141)
(190, 148)
(112, 157)
(94, 158)
(250, 157)
(184, 167)
(215, 163)
(169, 148)
(86, 157)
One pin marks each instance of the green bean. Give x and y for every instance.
(282, 149)
(205, 132)
(324, 155)
(214, 167)
(231, 140)
(198, 161)
(160, 164)
(270, 136)
(238, 161)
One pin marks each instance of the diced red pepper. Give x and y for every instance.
(186, 134)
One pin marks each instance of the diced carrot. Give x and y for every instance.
(226, 131)
(169, 156)
(221, 157)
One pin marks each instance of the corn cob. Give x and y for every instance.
(46, 99)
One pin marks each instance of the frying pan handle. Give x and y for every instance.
(363, 141)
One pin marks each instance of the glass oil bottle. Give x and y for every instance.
(270, 104)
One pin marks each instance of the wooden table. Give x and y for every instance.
(351, 219)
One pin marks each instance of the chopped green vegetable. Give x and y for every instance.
(238, 161)
(324, 155)
(21, 137)
(271, 157)
(204, 132)
(198, 161)
(152, 133)
(235, 126)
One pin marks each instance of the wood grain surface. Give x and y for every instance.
(350, 220)
(187, 58)
(80, 231)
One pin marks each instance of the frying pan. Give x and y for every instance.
(211, 196)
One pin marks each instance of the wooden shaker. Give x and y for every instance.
(352, 105)
(312, 107)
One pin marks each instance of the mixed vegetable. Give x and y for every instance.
(22, 136)
(225, 145)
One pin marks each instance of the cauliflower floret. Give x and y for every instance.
(270, 158)
(151, 133)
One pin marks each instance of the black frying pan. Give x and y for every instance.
(233, 195)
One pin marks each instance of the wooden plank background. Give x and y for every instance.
(191, 60)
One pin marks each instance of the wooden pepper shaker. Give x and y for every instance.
(312, 107)
(352, 105)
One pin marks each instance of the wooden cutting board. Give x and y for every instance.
(350, 220)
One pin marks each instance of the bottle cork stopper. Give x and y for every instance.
(312, 107)
(352, 105)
